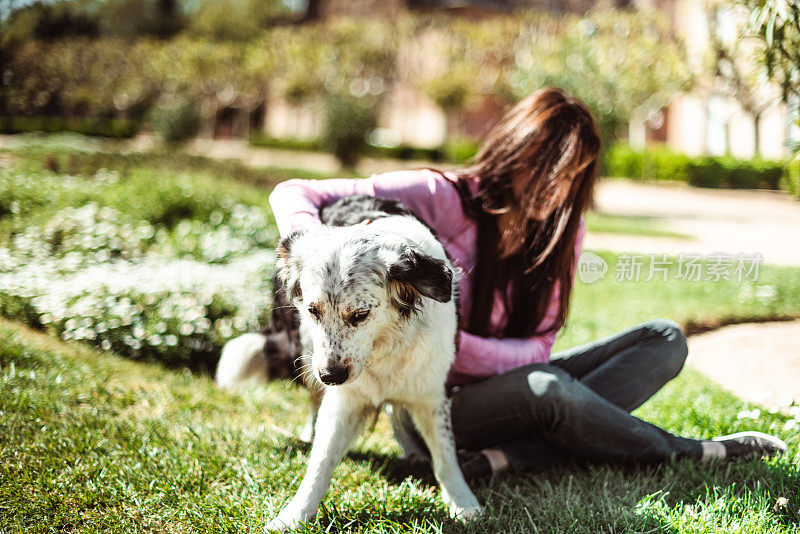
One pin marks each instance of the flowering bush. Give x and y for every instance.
(144, 290)
(170, 310)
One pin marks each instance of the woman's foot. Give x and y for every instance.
(745, 445)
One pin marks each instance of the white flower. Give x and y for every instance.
(749, 414)
(185, 329)
(138, 332)
(98, 275)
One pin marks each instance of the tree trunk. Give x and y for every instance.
(756, 135)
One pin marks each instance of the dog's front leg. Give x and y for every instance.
(317, 391)
(433, 422)
(337, 425)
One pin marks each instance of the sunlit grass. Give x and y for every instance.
(605, 223)
(609, 305)
(93, 443)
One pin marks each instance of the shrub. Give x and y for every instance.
(173, 311)
(348, 120)
(76, 157)
(790, 181)
(176, 122)
(660, 163)
(174, 291)
(669, 165)
(260, 140)
(101, 127)
(461, 151)
(622, 160)
(456, 151)
(25, 197)
(707, 171)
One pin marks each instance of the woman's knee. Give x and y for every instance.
(551, 384)
(672, 348)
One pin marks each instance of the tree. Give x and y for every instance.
(620, 63)
(49, 21)
(139, 18)
(235, 19)
(348, 121)
(737, 65)
(776, 23)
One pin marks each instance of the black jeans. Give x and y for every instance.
(579, 404)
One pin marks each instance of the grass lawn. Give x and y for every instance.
(607, 305)
(605, 223)
(92, 442)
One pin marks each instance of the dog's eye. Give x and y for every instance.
(314, 310)
(358, 316)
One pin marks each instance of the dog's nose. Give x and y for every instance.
(334, 375)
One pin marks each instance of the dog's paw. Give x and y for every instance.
(280, 524)
(307, 434)
(465, 513)
(289, 519)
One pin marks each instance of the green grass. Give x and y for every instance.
(158, 188)
(90, 442)
(604, 223)
(93, 443)
(607, 305)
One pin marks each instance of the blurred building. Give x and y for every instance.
(709, 120)
(322, 9)
(706, 121)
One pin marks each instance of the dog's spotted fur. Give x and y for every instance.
(378, 320)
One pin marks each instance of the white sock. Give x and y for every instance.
(712, 449)
(497, 460)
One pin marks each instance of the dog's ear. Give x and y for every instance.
(288, 267)
(414, 274)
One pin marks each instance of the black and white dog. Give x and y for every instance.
(378, 323)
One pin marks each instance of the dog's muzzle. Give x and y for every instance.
(334, 375)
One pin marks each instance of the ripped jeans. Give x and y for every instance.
(578, 405)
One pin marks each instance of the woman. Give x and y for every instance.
(513, 224)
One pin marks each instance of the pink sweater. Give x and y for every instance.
(296, 203)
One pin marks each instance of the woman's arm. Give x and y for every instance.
(485, 356)
(296, 203)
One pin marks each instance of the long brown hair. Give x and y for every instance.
(549, 143)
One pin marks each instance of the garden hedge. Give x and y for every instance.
(453, 152)
(660, 163)
(104, 127)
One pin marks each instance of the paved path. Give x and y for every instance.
(728, 221)
(758, 362)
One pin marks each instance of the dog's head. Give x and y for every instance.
(351, 288)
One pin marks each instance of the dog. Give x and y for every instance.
(275, 353)
(377, 314)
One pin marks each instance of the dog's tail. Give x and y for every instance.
(243, 361)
